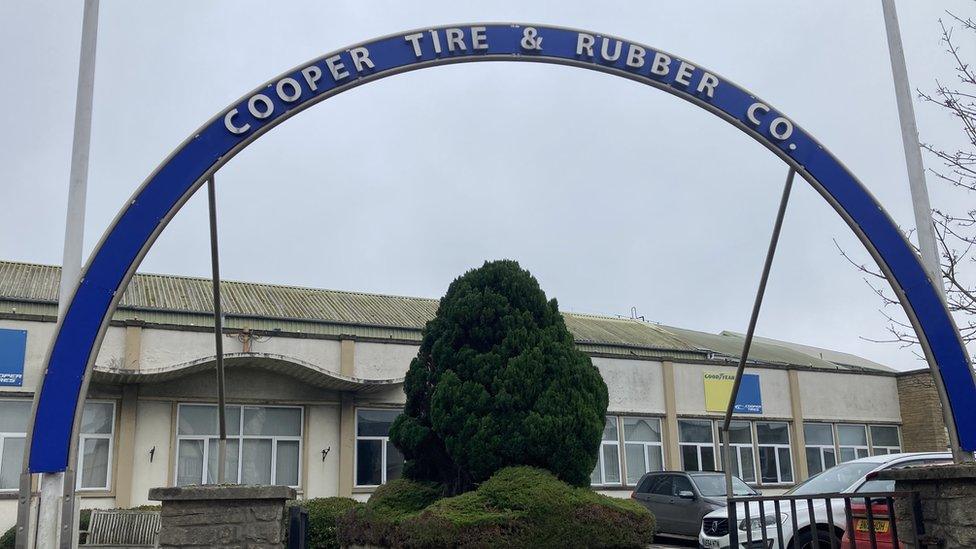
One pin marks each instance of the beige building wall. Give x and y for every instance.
(153, 430)
(635, 386)
(848, 397)
(382, 360)
(321, 475)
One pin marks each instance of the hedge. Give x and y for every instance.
(517, 507)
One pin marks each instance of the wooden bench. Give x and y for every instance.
(122, 528)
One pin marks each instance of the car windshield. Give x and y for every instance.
(713, 485)
(833, 480)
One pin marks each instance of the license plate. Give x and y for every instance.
(709, 543)
(880, 526)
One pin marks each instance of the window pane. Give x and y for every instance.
(846, 454)
(636, 464)
(642, 429)
(748, 465)
(819, 434)
(852, 435)
(773, 433)
(708, 458)
(663, 486)
(14, 415)
(767, 464)
(96, 418)
(595, 477)
(369, 462)
(375, 423)
(203, 420)
(11, 462)
(689, 458)
(256, 466)
(394, 462)
(739, 432)
(94, 463)
(213, 451)
(611, 463)
(862, 452)
(884, 435)
(286, 464)
(694, 430)
(610, 428)
(813, 461)
(829, 458)
(655, 458)
(785, 465)
(189, 462)
(282, 422)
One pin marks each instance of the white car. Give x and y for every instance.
(847, 478)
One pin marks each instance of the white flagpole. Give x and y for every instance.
(920, 195)
(57, 489)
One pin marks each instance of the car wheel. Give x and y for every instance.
(805, 539)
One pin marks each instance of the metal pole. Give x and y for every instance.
(218, 334)
(56, 506)
(920, 196)
(773, 241)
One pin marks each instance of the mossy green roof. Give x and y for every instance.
(32, 289)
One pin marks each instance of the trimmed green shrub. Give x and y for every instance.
(517, 507)
(499, 382)
(322, 516)
(8, 538)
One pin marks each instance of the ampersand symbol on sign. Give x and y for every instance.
(531, 39)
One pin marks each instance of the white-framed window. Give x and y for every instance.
(697, 445)
(95, 445)
(607, 470)
(264, 444)
(775, 460)
(885, 440)
(852, 442)
(643, 449)
(377, 459)
(14, 415)
(820, 449)
(740, 445)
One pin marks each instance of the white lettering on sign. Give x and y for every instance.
(635, 56)
(312, 75)
(263, 112)
(606, 55)
(661, 65)
(453, 40)
(284, 95)
(360, 59)
(584, 43)
(780, 128)
(229, 123)
(336, 67)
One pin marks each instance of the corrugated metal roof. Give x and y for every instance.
(187, 301)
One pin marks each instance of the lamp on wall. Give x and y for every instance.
(326, 452)
(152, 452)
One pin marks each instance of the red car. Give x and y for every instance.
(882, 527)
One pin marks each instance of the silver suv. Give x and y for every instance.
(680, 499)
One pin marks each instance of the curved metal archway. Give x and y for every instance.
(142, 219)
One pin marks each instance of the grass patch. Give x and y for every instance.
(517, 507)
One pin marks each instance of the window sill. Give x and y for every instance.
(9, 494)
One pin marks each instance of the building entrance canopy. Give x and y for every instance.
(146, 214)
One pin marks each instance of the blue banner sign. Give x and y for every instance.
(13, 349)
(142, 219)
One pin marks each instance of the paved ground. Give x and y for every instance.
(661, 542)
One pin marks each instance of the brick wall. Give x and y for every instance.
(923, 428)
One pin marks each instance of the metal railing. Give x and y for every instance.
(820, 521)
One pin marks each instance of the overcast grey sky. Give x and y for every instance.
(612, 193)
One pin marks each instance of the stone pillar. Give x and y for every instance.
(127, 443)
(947, 497)
(347, 418)
(223, 516)
(799, 437)
(922, 423)
(672, 452)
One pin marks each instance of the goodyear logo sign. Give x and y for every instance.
(718, 391)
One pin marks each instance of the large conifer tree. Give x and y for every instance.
(498, 381)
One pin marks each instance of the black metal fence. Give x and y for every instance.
(819, 522)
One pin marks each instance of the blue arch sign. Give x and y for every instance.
(141, 220)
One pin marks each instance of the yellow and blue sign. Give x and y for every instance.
(718, 391)
(13, 347)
